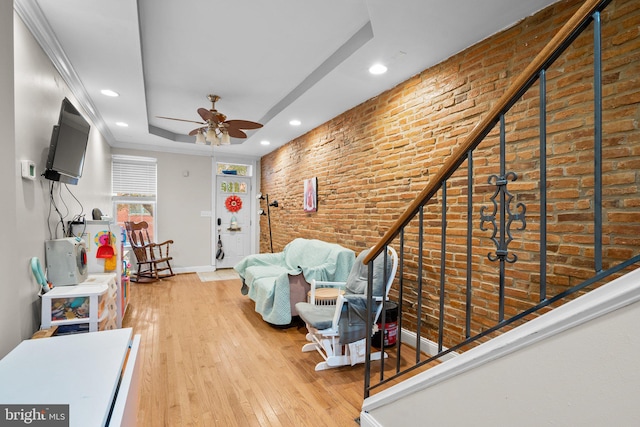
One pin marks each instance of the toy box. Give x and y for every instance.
(75, 305)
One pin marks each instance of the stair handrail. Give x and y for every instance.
(547, 55)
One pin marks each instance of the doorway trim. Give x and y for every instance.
(254, 226)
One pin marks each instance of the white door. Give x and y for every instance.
(233, 219)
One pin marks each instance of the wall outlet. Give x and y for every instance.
(28, 169)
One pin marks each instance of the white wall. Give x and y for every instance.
(181, 201)
(10, 319)
(31, 90)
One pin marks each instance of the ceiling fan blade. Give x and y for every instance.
(181, 120)
(207, 115)
(195, 131)
(236, 133)
(243, 124)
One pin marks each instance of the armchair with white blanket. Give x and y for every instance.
(338, 332)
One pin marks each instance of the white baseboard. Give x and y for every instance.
(367, 420)
(426, 346)
(196, 269)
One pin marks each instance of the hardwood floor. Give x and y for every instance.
(208, 359)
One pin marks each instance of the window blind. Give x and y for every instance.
(133, 176)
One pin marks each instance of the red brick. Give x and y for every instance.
(372, 161)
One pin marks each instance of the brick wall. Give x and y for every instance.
(372, 161)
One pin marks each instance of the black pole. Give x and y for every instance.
(269, 221)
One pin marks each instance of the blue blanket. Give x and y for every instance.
(353, 318)
(267, 275)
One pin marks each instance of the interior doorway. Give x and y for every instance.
(232, 220)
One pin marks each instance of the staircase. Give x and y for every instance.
(538, 207)
(575, 366)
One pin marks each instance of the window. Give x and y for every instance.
(233, 168)
(133, 184)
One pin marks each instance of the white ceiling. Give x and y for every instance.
(270, 61)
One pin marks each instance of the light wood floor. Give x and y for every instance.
(208, 359)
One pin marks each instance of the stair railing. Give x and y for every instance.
(499, 218)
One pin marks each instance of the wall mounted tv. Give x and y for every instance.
(68, 146)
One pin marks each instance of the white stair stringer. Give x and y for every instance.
(547, 369)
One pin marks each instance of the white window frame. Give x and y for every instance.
(146, 180)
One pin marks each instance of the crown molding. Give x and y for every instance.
(30, 13)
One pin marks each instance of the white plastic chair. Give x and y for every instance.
(324, 321)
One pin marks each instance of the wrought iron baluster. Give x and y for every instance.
(469, 241)
(369, 327)
(383, 313)
(443, 261)
(502, 241)
(400, 300)
(597, 140)
(506, 217)
(543, 185)
(419, 307)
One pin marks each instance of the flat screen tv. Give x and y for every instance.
(68, 146)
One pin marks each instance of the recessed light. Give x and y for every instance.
(109, 92)
(295, 122)
(377, 69)
(122, 124)
(265, 142)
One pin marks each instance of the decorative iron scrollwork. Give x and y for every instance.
(502, 241)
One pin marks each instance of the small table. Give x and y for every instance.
(326, 296)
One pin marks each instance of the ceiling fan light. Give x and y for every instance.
(225, 139)
(200, 138)
(211, 136)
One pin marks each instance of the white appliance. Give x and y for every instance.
(66, 261)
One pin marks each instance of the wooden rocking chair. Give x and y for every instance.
(152, 258)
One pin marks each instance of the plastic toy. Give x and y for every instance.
(36, 268)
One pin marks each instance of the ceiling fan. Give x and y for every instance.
(217, 130)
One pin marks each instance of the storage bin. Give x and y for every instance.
(108, 323)
(112, 306)
(74, 305)
(391, 327)
(72, 328)
(108, 279)
(113, 294)
(70, 308)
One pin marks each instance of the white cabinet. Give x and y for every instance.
(89, 372)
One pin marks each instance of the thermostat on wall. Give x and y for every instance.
(28, 169)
